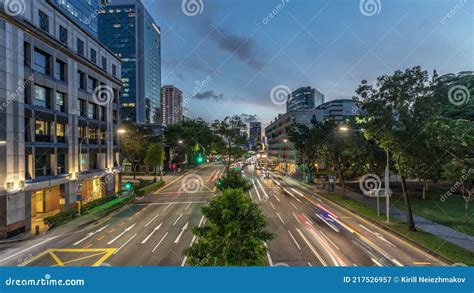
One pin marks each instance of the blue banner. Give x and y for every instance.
(268, 279)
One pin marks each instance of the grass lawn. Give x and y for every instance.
(442, 247)
(110, 205)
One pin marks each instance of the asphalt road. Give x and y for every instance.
(151, 232)
(308, 229)
(312, 231)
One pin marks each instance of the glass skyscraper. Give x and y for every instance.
(83, 12)
(126, 28)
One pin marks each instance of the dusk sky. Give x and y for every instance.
(327, 44)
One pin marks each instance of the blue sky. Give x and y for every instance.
(327, 44)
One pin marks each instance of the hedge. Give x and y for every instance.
(110, 203)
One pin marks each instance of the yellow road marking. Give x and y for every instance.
(421, 263)
(87, 246)
(107, 252)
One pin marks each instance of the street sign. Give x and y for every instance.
(78, 197)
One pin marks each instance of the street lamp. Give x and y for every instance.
(121, 131)
(345, 128)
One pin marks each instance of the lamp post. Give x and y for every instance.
(345, 128)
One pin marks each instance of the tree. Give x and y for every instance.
(234, 180)
(154, 157)
(395, 112)
(134, 144)
(234, 234)
(232, 131)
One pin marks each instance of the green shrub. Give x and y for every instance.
(234, 180)
(61, 217)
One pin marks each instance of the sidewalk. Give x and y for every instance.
(460, 239)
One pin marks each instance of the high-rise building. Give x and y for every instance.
(126, 28)
(304, 98)
(171, 105)
(84, 13)
(255, 133)
(58, 116)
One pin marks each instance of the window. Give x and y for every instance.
(93, 55)
(61, 163)
(41, 97)
(43, 21)
(42, 165)
(102, 136)
(41, 62)
(63, 34)
(60, 70)
(60, 102)
(103, 113)
(92, 135)
(91, 84)
(61, 132)
(114, 70)
(91, 111)
(80, 47)
(104, 63)
(114, 114)
(27, 54)
(81, 107)
(82, 80)
(42, 131)
(81, 132)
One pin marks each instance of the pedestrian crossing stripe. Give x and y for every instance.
(102, 253)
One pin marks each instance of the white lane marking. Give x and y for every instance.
(200, 222)
(297, 192)
(177, 219)
(188, 206)
(330, 241)
(293, 205)
(26, 249)
(327, 223)
(311, 247)
(376, 262)
(280, 218)
(270, 261)
(276, 182)
(181, 233)
(151, 220)
(292, 195)
(166, 207)
(276, 197)
(307, 219)
(163, 238)
(120, 235)
(125, 243)
(272, 205)
(397, 262)
(90, 235)
(183, 263)
(309, 264)
(263, 189)
(294, 240)
(378, 235)
(317, 198)
(258, 194)
(154, 230)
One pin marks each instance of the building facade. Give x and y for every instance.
(126, 28)
(171, 105)
(58, 116)
(84, 13)
(337, 110)
(255, 133)
(304, 98)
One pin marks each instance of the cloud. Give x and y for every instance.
(243, 47)
(248, 117)
(208, 95)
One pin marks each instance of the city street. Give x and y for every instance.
(308, 230)
(151, 232)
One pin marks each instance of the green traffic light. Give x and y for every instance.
(200, 159)
(128, 186)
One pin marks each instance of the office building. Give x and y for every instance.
(255, 133)
(304, 98)
(57, 130)
(337, 110)
(171, 105)
(126, 28)
(84, 13)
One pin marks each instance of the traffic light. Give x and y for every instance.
(128, 185)
(219, 183)
(200, 159)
